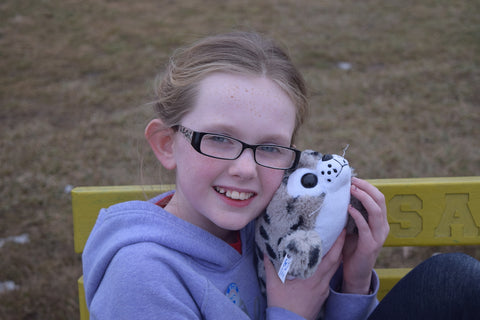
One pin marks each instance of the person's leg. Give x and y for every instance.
(445, 286)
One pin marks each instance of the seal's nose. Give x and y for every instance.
(327, 157)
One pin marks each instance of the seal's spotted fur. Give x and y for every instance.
(306, 214)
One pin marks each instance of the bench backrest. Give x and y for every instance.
(421, 211)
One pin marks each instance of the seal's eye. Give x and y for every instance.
(309, 180)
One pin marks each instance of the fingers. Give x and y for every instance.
(371, 198)
(368, 190)
(360, 221)
(374, 202)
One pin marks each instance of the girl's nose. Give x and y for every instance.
(244, 166)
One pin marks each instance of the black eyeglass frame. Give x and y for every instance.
(195, 138)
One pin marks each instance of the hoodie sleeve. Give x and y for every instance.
(343, 306)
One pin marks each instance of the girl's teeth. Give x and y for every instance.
(235, 194)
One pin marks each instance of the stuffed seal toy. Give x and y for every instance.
(305, 216)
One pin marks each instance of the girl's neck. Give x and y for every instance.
(174, 208)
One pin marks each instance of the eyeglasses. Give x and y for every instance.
(219, 146)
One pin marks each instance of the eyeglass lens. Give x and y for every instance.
(227, 148)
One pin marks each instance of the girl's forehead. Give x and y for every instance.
(254, 102)
(237, 83)
(229, 93)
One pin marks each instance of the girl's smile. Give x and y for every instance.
(235, 195)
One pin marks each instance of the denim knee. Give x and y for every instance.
(455, 264)
(456, 279)
(454, 259)
(445, 286)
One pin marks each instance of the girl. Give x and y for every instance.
(225, 104)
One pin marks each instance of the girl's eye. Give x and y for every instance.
(270, 149)
(218, 139)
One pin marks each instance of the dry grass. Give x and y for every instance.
(75, 82)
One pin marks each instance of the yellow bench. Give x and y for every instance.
(421, 212)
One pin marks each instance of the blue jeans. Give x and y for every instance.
(445, 286)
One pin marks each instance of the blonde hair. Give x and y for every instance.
(237, 52)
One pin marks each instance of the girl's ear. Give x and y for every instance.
(161, 140)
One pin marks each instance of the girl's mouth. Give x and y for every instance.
(233, 194)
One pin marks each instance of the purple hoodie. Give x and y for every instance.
(141, 262)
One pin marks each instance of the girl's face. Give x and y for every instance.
(252, 109)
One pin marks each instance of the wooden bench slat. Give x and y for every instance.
(84, 314)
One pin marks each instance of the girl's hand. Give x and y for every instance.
(304, 297)
(361, 251)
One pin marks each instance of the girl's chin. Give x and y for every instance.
(233, 221)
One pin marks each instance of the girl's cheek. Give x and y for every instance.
(272, 181)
